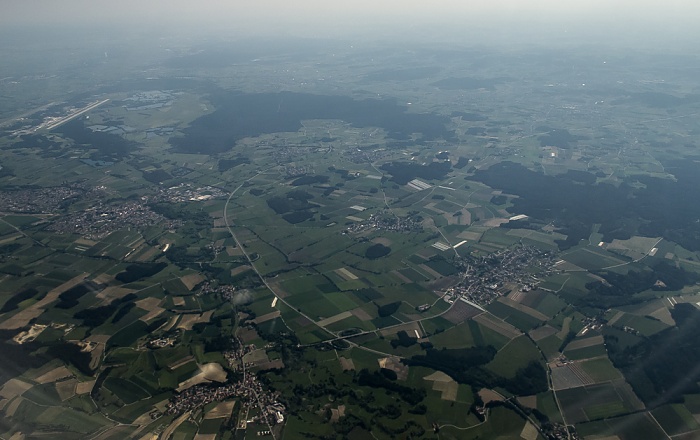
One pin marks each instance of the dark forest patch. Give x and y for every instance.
(377, 251)
(665, 366)
(461, 163)
(622, 289)
(466, 366)
(443, 155)
(298, 216)
(12, 303)
(404, 172)
(240, 115)
(109, 146)
(499, 200)
(227, 164)
(310, 180)
(658, 208)
(294, 206)
(37, 141)
(156, 176)
(70, 297)
(135, 272)
(558, 137)
(388, 309)
(96, 316)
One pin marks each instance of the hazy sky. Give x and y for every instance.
(297, 10)
(646, 18)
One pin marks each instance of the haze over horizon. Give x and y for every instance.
(509, 21)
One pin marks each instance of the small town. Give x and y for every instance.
(40, 200)
(487, 278)
(249, 390)
(102, 219)
(225, 290)
(388, 222)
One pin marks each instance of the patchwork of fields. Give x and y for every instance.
(218, 252)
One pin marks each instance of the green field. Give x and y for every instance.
(644, 325)
(515, 355)
(595, 402)
(600, 369)
(605, 410)
(502, 423)
(592, 258)
(548, 406)
(635, 426)
(519, 319)
(456, 337)
(675, 419)
(586, 352)
(550, 346)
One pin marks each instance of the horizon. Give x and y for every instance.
(542, 22)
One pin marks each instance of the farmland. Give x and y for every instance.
(219, 251)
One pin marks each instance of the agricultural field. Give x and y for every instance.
(640, 425)
(595, 402)
(370, 245)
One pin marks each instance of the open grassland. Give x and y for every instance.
(518, 353)
(676, 419)
(629, 427)
(596, 402)
(601, 369)
(519, 319)
(590, 258)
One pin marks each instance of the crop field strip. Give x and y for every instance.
(498, 326)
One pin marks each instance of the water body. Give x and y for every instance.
(240, 115)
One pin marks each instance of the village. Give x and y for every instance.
(387, 222)
(248, 390)
(487, 278)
